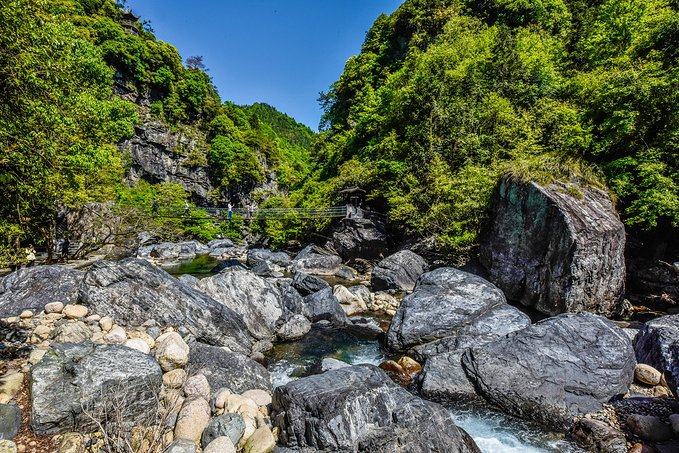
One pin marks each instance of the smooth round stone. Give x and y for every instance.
(221, 397)
(197, 386)
(646, 374)
(174, 379)
(116, 335)
(181, 446)
(93, 319)
(7, 446)
(240, 404)
(192, 419)
(26, 314)
(261, 441)
(148, 339)
(260, 397)
(75, 311)
(171, 351)
(138, 344)
(106, 323)
(54, 307)
(649, 428)
(409, 365)
(42, 331)
(229, 425)
(220, 445)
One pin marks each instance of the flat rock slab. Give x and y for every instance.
(34, 287)
(554, 370)
(76, 384)
(360, 408)
(133, 290)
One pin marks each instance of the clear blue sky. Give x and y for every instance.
(282, 52)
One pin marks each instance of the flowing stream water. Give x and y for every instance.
(493, 431)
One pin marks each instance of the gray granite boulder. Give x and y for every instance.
(133, 290)
(558, 248)
(324, 306)
(10, 421)
(229, 425)
(32, 288)
(657, 344)
(75, 385)
(308, 284)
(257, 256)
(361, 409)
(167, 253)
(359, 238)
(316, 261)
(260, 302)
(554, 370)
(225, 369)
(399, 271)
(444, 302)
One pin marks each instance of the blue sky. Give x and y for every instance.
(281, 52)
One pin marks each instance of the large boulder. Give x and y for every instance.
(554, 370)
(32, 288)
(488, 326)
(167, 253)
(556, 250)
(257, 256)
(445, 301)
(225, 369)
(260, 302)
(317, 261)
(359, 238)
(75, 386)
(360, 408)
(657, 344)
(443, 377)
(324, 306)
(132, 291)
(308, 284)
(399, 271)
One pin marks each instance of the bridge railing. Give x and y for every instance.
(281, 213)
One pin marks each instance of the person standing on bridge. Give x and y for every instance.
(229, 213)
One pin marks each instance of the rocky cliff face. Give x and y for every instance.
(160, 155)
(556, 249)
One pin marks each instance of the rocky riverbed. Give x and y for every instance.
(221, 347)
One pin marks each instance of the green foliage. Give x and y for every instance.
(58, 121)
(448, 95)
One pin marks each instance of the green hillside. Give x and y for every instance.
(446, 95)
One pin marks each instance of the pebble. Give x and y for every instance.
(409, 365)
(106, 323)
(36, 356)
(171, 351)
(72, 443)
(42, 331)
(154, 332)
(10, 384)
(260, 397)
(26, 314)
(174, 379)
(116, 335)
(221, 397)
(240, 404)
(75, 311)
(140, 334)
(261, 441)
(138, 344)
(197, 386)
(192, 419)
(92, 319)
(646, 374)
(7, 446)
(220, 445)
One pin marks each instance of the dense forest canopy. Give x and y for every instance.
(446, 95)
(69, 71)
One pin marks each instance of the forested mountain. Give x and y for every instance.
(447, 95)
(77, 77)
